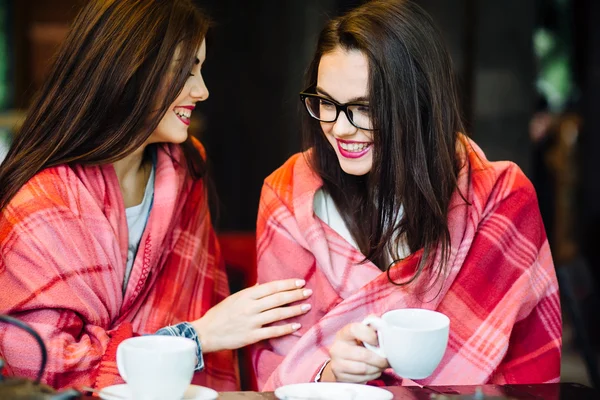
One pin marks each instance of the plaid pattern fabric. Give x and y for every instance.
(186, 330)
(499, 290)
(63, 256)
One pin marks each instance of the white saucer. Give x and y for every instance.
(122, 392)
(331, 390)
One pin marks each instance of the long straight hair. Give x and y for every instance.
(111, 83)
(415, 113)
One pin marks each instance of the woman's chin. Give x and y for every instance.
(170, 139)
(356, 169)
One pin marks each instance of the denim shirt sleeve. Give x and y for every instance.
(186, 330)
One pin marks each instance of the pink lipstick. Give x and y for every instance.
(353, 149)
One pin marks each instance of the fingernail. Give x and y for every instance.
(307, 292)
(300, 283)
(306, 307)
(296, 326)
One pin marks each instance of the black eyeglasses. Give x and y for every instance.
(327, 110)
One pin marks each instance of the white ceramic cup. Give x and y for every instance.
(413, 340)
(157, 367)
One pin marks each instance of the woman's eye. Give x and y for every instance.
(326, 104)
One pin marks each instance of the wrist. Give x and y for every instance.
(327, 374)
(320, 373)
(204, 336)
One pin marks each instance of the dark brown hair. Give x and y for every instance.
(110, 85)
(415, 113)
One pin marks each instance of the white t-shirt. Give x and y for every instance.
(137, 217)
(325, 208)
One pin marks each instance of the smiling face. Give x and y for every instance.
(343, 76)
(173, 127)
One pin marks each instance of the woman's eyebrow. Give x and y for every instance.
(353, 100)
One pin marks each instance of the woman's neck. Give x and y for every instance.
(133, 173)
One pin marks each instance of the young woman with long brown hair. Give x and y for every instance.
(392, 206)
(105, 229)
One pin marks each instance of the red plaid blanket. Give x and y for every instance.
(62, 261)
(500, 291)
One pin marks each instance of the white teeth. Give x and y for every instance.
(354, 147)
(183, 113)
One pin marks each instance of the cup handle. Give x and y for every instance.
(378, 324)
(120, 365)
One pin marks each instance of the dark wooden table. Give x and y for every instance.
(558, 391)
(553, 391)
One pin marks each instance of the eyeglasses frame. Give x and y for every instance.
(338, 107)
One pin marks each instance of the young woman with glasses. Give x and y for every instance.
(393, 206)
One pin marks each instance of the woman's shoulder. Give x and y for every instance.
(283, 176)
(47, 195)
(293, 178)
(48, 187)
(278, 186)
(494, 179)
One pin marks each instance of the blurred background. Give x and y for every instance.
(529, 74)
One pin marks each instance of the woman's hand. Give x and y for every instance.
(240, 319)
(350, 360)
